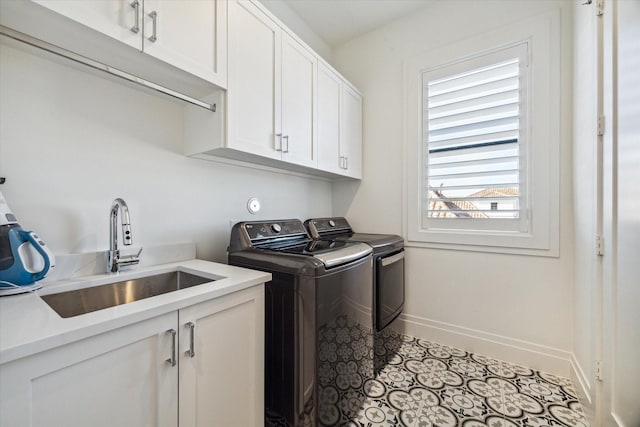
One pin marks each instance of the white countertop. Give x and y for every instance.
(28, 325)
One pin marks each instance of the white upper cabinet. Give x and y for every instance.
(254, 91)
(189, 34)
(283, 108)
(329, 87)
(298, 103)
(183, 42)
(339, 125)
(118, 19)
(271, 91)
(351, 132)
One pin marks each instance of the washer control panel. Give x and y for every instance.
(270, 229)
(320, 226)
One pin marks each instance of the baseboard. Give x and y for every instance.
(583, 389)
(534, 356)
(580, 381)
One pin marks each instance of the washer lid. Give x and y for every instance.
(344, 255)
(374, 240)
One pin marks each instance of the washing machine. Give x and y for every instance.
(388, 264)
(318, 319)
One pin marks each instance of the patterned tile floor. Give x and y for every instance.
(420, 383)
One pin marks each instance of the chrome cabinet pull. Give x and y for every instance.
(136, 6)
(191, 352)
(154, 21)
(172, 360)
(286, 139)
(278, 144)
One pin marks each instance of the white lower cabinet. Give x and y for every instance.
(127, 377)
(222, 384)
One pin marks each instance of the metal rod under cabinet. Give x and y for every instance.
(56, 50)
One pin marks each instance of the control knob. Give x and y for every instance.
(332, 223)
(276, 228)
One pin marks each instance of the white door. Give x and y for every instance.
(351, 134)
(621, 282)
(221, 382)
(253, 96)
(329, 120)
(119, 19)
(298, 103)
(118, 378)
(188, 34)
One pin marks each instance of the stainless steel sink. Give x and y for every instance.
(86, 300)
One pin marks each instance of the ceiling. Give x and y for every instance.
(338, 21)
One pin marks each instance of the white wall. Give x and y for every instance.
(296, 24)
(516, 307)
(71, 141)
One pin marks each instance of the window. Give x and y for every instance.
(482, 142)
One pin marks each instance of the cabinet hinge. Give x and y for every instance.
(599, 370)
(599, 245)
(599, 7)
(600, 125)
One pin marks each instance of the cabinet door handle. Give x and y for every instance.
(286, 145)
(136, 26)
(154, 27)
(278, 143)
(172, 360)
(346, 162)
(192, 351)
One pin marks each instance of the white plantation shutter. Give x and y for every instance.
(474, 142)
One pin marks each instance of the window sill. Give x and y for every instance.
(551, 253)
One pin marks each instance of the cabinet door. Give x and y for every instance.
(118, 378)
(115, 18)
(253, 96)
(222, 382)
(298, 103)
(329, 86)
(351, 132)
(188, 34)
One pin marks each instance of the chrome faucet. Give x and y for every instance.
(114, 261)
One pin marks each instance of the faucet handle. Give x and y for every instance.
(130, 259)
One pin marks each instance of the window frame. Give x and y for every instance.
(542, 156)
